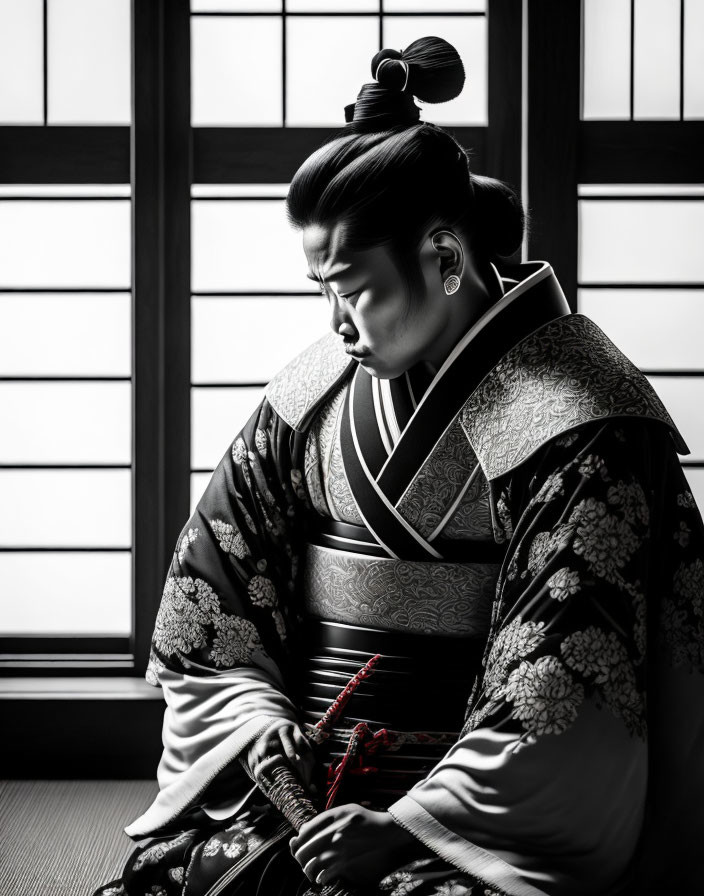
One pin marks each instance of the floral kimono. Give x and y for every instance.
(514, 545)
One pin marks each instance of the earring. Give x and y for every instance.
(452, 284)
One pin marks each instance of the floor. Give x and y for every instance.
(65, 838)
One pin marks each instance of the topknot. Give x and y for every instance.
(429, 69)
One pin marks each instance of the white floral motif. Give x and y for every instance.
(157, 890)
(513, 643)
(639, 629)
(682, 535)
(261, 442)
(593, 652)
(229, 538)
(563, 584)
(280, 624)
(212, 847)
(452, 888)
(630, 497)
(686, 499)
(569, 439)
(239, 451)
(552, 487)
(176, 875)
(545, 696)
(544, 544)
(188, 538)
(399, 883)
(154, 667)
(114, 891)
(235, 640)
(592, 464)
(262, 591)
(601, 655)
(605, 541)
(185, 610)
(154, 854)
(689, 584)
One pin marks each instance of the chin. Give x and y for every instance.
(380, 370)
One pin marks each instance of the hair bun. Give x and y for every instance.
(436, 71)
(394, 73)
(430, 69)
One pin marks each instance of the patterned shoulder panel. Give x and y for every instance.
(563, 375)
(297, 389)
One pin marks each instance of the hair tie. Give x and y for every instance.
(403, 62)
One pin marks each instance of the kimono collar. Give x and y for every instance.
(297, 391)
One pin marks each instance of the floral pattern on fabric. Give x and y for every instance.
(237, 556)
(571, 621)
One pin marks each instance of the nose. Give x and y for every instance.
(339, 320)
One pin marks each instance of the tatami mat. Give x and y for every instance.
(65, 838)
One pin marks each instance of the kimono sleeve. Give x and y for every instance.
(220, 647)
(545, 790)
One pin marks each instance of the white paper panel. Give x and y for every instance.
(21, 62)
(684, 399)
(218, 415)
(332, 5)
(237, 71)
(247, 340)
(437, 6)
(656, 241)
(246, 245)
(235, 6)
(656, 63)
(64, 334)
(695, 478)
(627, 190)
(469, 36)
(66, 593)
(606, 59)
(199, 481)
(89, 61)
(657, 329)
(54, 423)
(65, 243)
(200, 191)
(694, 58)
(65, 508)
(43, 191)
(327, 61)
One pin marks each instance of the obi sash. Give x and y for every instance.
(400, 721)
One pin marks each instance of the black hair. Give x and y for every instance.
(387, 178)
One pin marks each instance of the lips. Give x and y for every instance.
(357, 353)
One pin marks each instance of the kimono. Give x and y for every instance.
(515, 547)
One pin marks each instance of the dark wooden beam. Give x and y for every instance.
(659, 152)
(272, 155)
(161, 299)
(64, 155)
(554, 55)
(503, 139)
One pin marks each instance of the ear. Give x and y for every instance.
(450, 253)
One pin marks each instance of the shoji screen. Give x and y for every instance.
(641, 267)
(65, 332)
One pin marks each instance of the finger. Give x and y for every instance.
(314, 842)
(302, 742)
(321, 869)
(289, 747)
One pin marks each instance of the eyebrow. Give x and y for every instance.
(331, 275)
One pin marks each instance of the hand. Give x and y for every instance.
(355, 844)
(282, 743)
